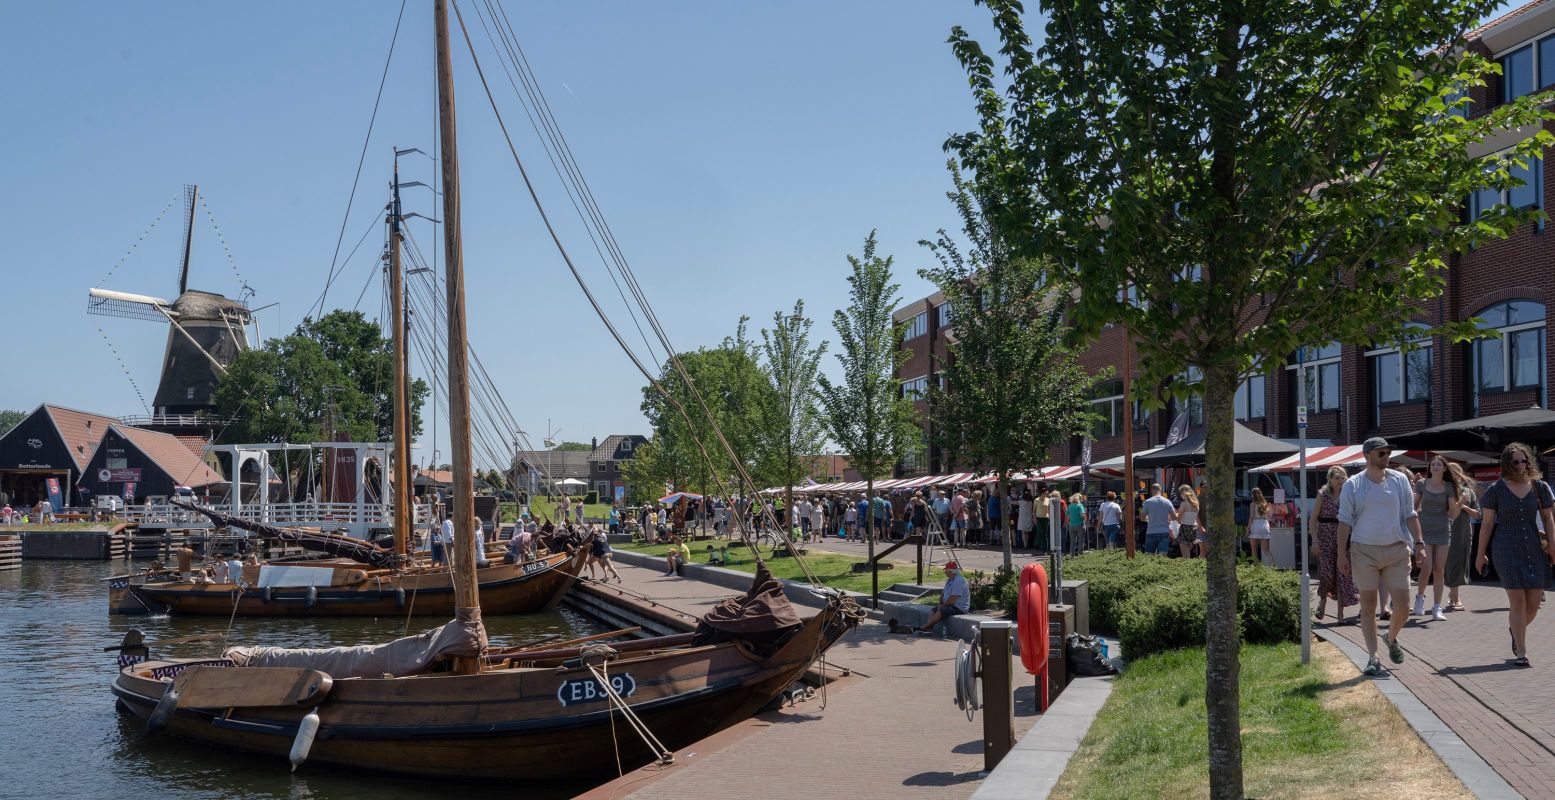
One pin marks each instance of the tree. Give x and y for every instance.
(337, 371)
(1233, 182)
(8, 420)
(731, 383)
(866, 414)
(1012, 387)
(649, 471)
(791, 428)
(572, 447)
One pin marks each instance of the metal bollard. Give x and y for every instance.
(993, 640)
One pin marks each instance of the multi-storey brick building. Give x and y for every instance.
(1357, 392)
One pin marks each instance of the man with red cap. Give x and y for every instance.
(955, 598)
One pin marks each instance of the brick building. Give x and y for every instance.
(1357, 392)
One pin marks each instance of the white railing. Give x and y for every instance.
(325, 515)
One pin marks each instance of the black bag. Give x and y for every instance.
(1085, 658)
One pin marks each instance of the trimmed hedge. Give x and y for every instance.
(1157, 604)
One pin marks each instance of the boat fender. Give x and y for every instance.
(399, 597)
(307, 729)
(313, 597)
(267, 593)
(163, 713)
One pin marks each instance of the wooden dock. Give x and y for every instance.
(10, 551)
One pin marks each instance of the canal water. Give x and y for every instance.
(60, 736)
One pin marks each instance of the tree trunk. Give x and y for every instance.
(1004, 520)
(1222, 639)
(869, 536)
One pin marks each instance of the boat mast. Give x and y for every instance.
(466, 595)
(400, 401)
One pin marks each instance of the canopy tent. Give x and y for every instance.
(918, 483)
(675, 497)
(1113, 467)
(1350, 455)
(955, 478)
(1249, 447)
(1533, 425)
(571, 482)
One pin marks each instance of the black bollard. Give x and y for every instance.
(993, 639)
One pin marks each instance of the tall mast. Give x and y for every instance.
(466, 595)
(400, 407)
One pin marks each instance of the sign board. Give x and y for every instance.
(129, 492)
(1279, 497)
(56, 499)
(118, 475)
(1301, 416)
(620, 493)
(589, 690)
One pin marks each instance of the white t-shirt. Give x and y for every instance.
(1377, 513)
(448, 531)
(1111, 513)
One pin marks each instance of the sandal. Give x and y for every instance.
(1521, 661)
(1319, 615)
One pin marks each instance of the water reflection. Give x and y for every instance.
(63, 738)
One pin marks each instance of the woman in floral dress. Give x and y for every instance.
(1330, 581)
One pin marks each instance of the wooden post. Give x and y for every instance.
(1128, 442)
(993, 638)
(466, 594)
(400, 402)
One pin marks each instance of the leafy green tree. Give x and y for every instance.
(1234, 181)
(1012, 386)
(573, 447)
(8, 420)
(336, 372)
(651, 468)
(865, 413)
(792, 429)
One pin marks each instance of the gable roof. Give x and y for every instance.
(1479, 33)
(81, 431)
(558, 464)
(171, 455)
(609, 449)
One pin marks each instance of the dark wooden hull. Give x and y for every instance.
(512, 722)
(504, 589)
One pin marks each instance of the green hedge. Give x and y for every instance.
(1157, 604)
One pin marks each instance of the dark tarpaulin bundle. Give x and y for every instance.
(358, 550)
(762, 617)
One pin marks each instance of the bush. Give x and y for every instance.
(591, 498)
(1157, 604)
(994, 592)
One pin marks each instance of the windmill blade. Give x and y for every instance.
(191, 192)
(109, 303)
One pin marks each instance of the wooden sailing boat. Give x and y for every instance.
(368, 580)
(443, 703)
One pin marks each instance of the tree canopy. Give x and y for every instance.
(573, 447)
(1234, 181)
(336, 371)
(9, 418)
(792, 432)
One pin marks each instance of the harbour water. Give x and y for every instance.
(62, 738)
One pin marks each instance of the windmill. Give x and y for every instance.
(205, 334)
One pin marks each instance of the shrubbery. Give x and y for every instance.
(1157, 604)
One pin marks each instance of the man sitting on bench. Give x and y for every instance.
(955, 598)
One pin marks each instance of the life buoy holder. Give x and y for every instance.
(1032, 623)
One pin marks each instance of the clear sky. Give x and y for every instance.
(739, 150)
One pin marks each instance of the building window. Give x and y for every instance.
(600, 467)
(626, 445)
(1547, 61)
(602, 489)
(1321, 366)
(1107, 405)
(943, 312)
(916, 389)
(1249, 397)
(1517, 73)
(918, 326)
(1516, 359)
(1400, 375)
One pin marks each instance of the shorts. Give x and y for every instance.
(1379, 566)
(1157, 543)
(1114, 534)
(948, 611)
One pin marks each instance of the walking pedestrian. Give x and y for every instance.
(1077, 519)
(1111, 516)
(920, 514)
(1258, 527)
(1187, 520)
(974, 517)
(995, 516)
(1437, 502)
(1377, 523)
(1040, 511)
(958, 518)
(941, 506)
(1508, 530)
(1159, 514)
(1459, 546)
(1023, 519)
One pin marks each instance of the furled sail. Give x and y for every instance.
(336, 544)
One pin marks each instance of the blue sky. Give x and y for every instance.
(740, 151)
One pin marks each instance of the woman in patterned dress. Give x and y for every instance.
(1507, 530)
(1459, 549)
(1325, 520)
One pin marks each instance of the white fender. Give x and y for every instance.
(306, 730)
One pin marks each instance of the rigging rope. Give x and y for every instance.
(372, 120)
(674, 359)
(118, 358)
(141, 238)
(223, 239)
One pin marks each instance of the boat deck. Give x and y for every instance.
(889, 730)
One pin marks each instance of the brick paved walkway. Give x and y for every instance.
(1461, 669)
(891, 731)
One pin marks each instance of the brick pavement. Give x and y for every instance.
(1460, 668)
(890, 731)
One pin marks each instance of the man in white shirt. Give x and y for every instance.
(478, 541)
(441, 539)
(1377, 523)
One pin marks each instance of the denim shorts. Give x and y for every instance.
(1114, 534)
(1158, 543)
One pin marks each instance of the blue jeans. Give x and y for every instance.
(1114, 535)
(1158, 543)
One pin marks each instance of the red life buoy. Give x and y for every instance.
(1032, 624)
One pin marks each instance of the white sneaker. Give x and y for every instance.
(1436, 613)
(1419, 605)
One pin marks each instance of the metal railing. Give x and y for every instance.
(284, 514)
